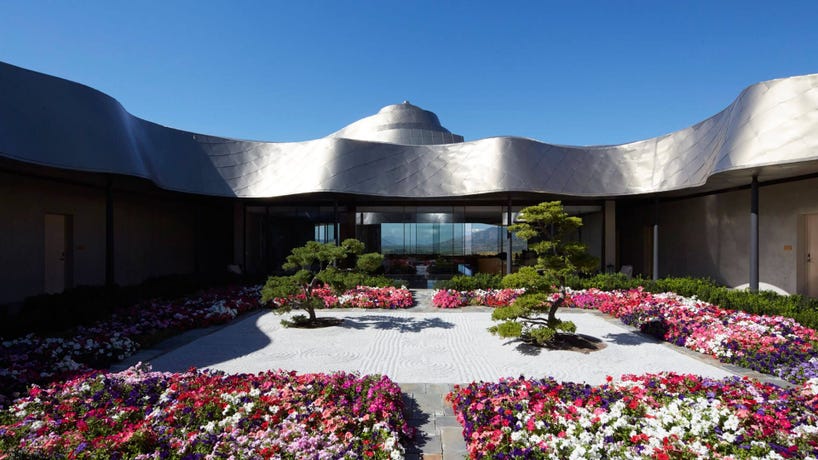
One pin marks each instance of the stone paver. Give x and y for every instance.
(439, 434)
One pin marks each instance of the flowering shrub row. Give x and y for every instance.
(450, 298)
(145, 415)
(35, 359)
(650, 416)
(362, 297)
(374, 297)
(772, 344)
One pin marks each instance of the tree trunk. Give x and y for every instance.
(308, 300)
(552, 312)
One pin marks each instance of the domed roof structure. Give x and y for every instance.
(403, 123)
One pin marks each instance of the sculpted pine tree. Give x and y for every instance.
(552, 233)
(315, 264)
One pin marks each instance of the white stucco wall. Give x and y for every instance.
(709, 235)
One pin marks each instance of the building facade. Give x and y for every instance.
(90, 194)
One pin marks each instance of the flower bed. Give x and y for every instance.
(375, 297)
(651, 416)
(142, 414)
(34, 359)
(775, 345)
(363, 297)
(450, 298)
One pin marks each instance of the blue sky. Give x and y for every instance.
(567, 72)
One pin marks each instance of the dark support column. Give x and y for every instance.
(336, 226)
(109, 234)
(609, 249)
(197, 237)
(508, 236)
(244, 237)
(266, 239)
(656, 239)
(754, 235)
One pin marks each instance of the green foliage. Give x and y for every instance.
(526, 319)
(314, 253)
(540, 335)
(279, 287)
(369, 262)
(554, 234)
(512, 311)
(344, 280)
(530, 279)
(353, 246)
(507, 329)
(802, 309)
(295, 321)
(470, 283)
(559, 256)
(535, 303)
(565, 326)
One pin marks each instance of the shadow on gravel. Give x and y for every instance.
(630, 338)
(393, 323)
(417, 419)
(580, 343)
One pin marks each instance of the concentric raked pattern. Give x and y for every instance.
(403, 151)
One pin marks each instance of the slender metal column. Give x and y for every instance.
(656, 239)
(754, 235)
(508, 235)
(109, 234)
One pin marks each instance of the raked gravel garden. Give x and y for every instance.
(58, 402)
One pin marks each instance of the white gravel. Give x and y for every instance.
(429, 347)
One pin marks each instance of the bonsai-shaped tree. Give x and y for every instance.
(559, 254)
(314, 263)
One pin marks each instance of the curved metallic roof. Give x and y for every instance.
(770, 129)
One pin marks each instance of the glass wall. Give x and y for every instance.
(438, 239)
(428, 241)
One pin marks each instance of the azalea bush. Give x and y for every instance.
(376, 297)
(359, 297)
(37, 359)
(144, 415)
(802, 309)
(660, 416)
(450, 298)
(774, 345)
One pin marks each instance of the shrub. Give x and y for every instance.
(471, 283)
(344, 280)
(530, 279)
(524, 319)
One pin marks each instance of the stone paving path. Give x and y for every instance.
(439, 434)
